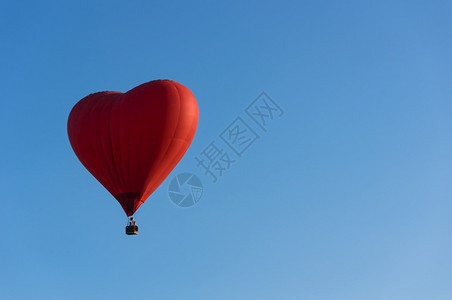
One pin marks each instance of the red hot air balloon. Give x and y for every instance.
(131, 141)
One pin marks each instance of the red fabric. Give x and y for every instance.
(131, 141)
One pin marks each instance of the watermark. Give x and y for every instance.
(214, 161)
(263, 110)
(239, 136)
(226, 150)
(185, 190)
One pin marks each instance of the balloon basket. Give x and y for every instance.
(131, 230)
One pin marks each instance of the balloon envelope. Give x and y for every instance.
(131, 141)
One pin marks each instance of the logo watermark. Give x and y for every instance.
(185, 190)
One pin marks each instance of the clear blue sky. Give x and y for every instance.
(347, 196)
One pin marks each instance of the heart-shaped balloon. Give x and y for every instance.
(131, 141)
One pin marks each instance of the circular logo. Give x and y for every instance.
(185, 190)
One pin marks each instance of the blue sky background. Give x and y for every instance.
(347, 196)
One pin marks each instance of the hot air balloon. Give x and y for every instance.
(131, 141)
